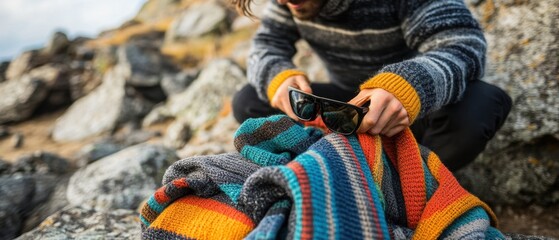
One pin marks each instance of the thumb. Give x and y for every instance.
(303, 84)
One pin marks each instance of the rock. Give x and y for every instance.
(100, 111)
(25, 62)
(140, 64)
(55, 202)
(55, 76)
(215, 140)
(3, 68)
(57, 44)
(20, 194)
(520, 165)
(198, 20)
(4, 132)
(207, 95)
(95, 151)
(41, 163)
(157, 115)
(17, 140)
(25, 94)
(177, 135)
(310, 63)
(86, 223)
(173, 83)
(154, 10)
(121, 180)
(5, 167)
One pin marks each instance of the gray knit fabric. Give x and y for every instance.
(436, 45)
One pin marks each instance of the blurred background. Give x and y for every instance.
(98, 98)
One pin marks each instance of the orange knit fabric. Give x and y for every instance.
(400, 88)
(279, 79)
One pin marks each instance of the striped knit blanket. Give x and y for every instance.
(291, 181)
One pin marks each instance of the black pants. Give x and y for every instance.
(458, 133)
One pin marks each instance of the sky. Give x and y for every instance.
(28, 24)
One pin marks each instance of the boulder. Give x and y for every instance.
(20, 195)
(57, 44)
(86, 223)
(121, 180)
(521, 164)
(95, 151)
(140, 64)
(25, 62)
(21, 97)
(214, 140)
(198, 20)
(105, 108)
(155, 10)
(41, 163)
(177, 135)
(173, 83)
(208, 94)
(3, 68)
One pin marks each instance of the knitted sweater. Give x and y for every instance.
(422, 51)
(292, 182)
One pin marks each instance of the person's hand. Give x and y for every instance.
(281, 97)
(386, 116)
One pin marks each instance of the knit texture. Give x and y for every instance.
(290, 181)
(436, 46)
(279, 79)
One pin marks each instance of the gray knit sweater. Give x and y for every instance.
(422, 51)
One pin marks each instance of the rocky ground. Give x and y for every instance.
(89, 125)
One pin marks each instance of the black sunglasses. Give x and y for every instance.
(340, 117)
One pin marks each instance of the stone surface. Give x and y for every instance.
(198, 20)
(22, 97)
(121, 180)
(208, 94)
(17, 140)
(85, 223)
(3, 68)
(57, 44)
(41, 163)
(178, 133)
(25, 62)
(100, 111)
(156, 10)
(20, 194)
(95, 151)
(173, 83)
(216, 139)
(140, 64)
(521, 165)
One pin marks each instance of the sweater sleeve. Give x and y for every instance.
(272, 50)
(451, 51)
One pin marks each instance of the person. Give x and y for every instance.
(416, 63)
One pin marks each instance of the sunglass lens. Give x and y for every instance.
(303, 105)
(339, 117)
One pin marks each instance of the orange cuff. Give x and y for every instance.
(279, 79)
(400, 88)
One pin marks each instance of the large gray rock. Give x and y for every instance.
(3, 68)
(155, 10)
(200, 19)
(41, 163)
(85, 223)
(57, 44)
(121, 180)
(20, 195)
(140, 63)
(521, 165)
(173, 83)
(20, 97)
(105, 108)
(25, 62)
(208, 94)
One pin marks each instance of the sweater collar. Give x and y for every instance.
(333, 8)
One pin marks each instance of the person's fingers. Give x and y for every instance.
(386, 119)
(303, 83)
(395, 130)
(377, 107)
(362, 97)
